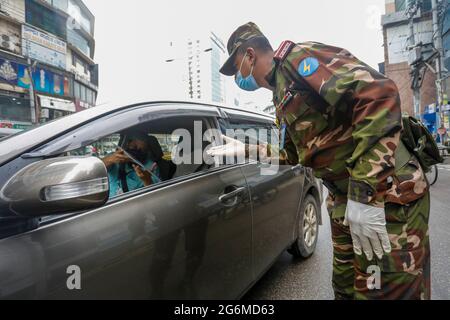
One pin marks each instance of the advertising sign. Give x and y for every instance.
(43, 47)
(8, 71)
(44, 80)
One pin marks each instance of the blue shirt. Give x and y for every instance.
(133, 181)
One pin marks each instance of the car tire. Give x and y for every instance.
(308, 229)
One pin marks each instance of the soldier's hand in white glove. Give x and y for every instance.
(368, 229)
(230, 148)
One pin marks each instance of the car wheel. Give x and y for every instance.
(308, 229)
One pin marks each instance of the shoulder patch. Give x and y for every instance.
(308, 66)
(284, 49)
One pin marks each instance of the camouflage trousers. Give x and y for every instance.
(402, 274)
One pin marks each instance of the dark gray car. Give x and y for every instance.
(204, 231)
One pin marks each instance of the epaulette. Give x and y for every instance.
(284, 50)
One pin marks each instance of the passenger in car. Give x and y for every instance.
(124, 173)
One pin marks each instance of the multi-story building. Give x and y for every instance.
(446, 47)
(396, 66)
(46, 60)
(196, 63)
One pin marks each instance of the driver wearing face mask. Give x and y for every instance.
(124, 174)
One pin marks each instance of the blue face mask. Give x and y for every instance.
(249, 83)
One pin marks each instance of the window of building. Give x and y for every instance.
(83, 93)
(44, 18)
(74, 38)
(426, 5)
(15, 108)
(400, 5)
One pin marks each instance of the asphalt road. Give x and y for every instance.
(310, 279)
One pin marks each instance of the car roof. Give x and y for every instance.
(28, 140)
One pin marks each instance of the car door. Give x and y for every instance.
(275, 195)
(186, 238)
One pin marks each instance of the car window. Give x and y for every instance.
(255, 132)
(100, 148)
(111, 123)
(158, 140)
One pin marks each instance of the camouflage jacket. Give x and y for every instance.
(343, 119)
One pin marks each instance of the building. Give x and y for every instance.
(195, 64)
(446, 47)
(46, 60)
(396, 66)
(270, 109)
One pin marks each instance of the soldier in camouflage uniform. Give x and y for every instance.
(342, 118)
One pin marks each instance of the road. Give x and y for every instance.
(310, 279)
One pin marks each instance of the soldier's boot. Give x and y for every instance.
(405, 272)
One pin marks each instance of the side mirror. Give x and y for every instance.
(56, 186)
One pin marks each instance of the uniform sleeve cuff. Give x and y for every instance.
(361, 191)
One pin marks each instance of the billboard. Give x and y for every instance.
(8, 71)
(44, 80)
(43, 47)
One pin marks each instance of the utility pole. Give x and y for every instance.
(34, 115)
(439, 61)
(415, 56)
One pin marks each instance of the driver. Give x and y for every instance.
(125, 175)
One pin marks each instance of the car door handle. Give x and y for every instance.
(232, 194)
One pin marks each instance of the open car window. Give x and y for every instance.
(113, 123)
(166, 159)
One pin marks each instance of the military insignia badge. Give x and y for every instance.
(308, 66)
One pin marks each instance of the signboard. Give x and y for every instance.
(5, 124)
(397, 39)
(44, 80)
(57, 104)
(43, 47)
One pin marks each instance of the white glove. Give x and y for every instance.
(368, 229)
(232, 148)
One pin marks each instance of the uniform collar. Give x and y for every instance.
(271, 76)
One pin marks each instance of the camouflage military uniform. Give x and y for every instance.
(343, 119)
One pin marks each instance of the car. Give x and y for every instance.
(6, 132)
(205, 231)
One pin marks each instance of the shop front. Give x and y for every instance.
(54, 108)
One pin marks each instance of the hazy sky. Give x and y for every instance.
(132, 35)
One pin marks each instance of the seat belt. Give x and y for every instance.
(123, 178)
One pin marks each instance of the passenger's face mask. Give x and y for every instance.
(138, 154)
(249, 83)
